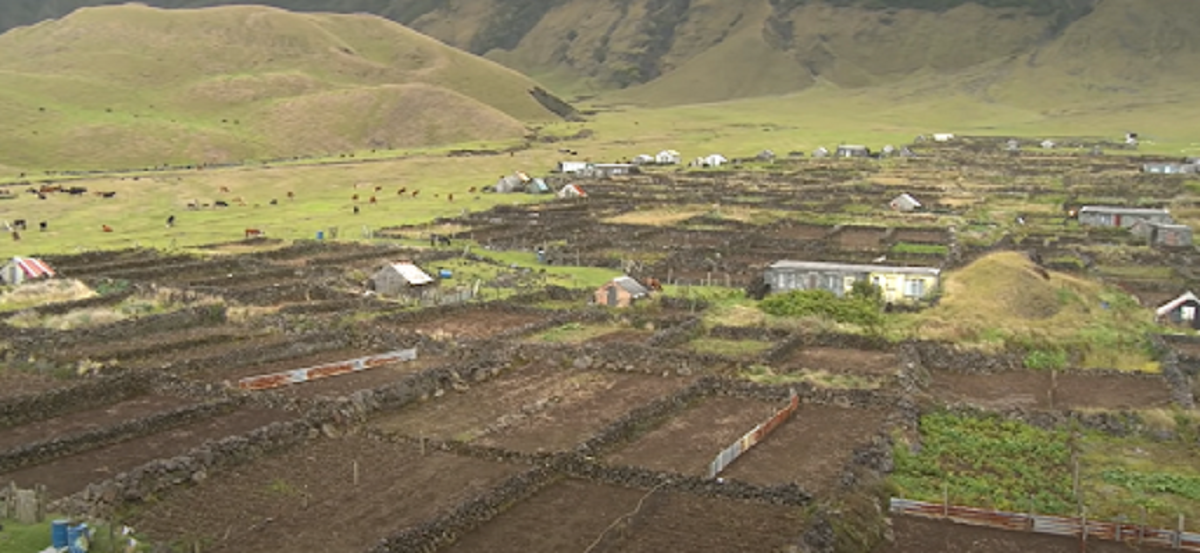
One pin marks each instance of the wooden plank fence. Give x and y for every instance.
(752, 438)
(296, 376)
(1072, 527)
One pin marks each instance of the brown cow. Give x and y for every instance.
(372, 199)
(354, 197)
(106, 228)
(415, 192)
(450, 197)
(253, 233)
(402, 191)
(224, 189)
(379, 189)
(291, 196)
(472, 190)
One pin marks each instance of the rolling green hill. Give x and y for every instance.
(132, 86)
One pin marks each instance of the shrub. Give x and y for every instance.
(1046, 359)
(853, 309)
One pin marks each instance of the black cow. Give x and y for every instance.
(436, 239)
(356, 210)
(274, 202)
(43, 226)
(220, 203)
(170, 221)
(19, 223)
(76, 190)
(108, 194)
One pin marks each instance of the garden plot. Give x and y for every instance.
(307, 500)
(14, 382)
(471, 324)
(737, 349)
(150, 344)
(346, 384)
(577, 333)
(1044, 390)
(914, 535)
(233, 373)
(841, 361)
(811, 449)
(553, 521)
(688, 442)
(534, 408)
(860, 238)
(921, 236)
(217, 351)
(89, 420)
(71, 474)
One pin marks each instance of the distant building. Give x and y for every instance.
(1169, 168)
(605, 170)
(714, 160)
(1180, 311)
(1048, 144)
(571, 167)
(898, 284)
(643, 159)
(904, 203)
(1124, 217)
(572, 191)
(765, 155)
(399, 278)
(820, 152)
(668, 157)
(620, 292)
(21, 269)
(1163, 234)
(943, 137)
(852, 150)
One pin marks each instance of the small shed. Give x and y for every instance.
(905, 202)
(853, 150)
(1124, 217)
(821, 152)
(1048, 144)
(888, 151)
(765, 155)
(512, 183)
(1013, 145)
(668, 157)
(572, 191)
(620, 292)
(537, 186)
(399, 278)
(1180, 311)
(21, 269)
(643, 159)
(943, 137)
(1162, 234)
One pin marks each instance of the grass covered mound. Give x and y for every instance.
(1004, 300)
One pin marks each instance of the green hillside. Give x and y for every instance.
(131, 85)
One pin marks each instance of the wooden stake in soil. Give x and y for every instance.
(355, 473)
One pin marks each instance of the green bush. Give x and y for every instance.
(1046, 359)
(861, 307)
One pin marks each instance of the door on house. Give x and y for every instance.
(1116, 220)
(612, 296)
(810, 282)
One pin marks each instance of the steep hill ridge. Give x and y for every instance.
(232, 83)
(684, 51)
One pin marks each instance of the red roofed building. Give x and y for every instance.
(20, 269)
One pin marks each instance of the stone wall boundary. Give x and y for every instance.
(86, 394)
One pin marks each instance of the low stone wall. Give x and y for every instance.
(86, 394)
(1175, 370)
(749, 333)
(632, 424)
(301, 345)
(60, 308)
(621, 358)
(675, 335)
(190, 317)
(57, 447)
(944, 356)
(643, 478)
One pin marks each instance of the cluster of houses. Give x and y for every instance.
(1153, 225)
(1190, 166)
(520, 182)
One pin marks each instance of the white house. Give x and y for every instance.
(1048, 144)
(398, 278)
(905, 202)
(643, 159)
(568, 167)
(943, 137)
(715, 160)
(668, 157)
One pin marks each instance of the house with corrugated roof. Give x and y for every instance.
(22, 269)
(904, 203)
(1180, 311)
(853, 150)
(1163, 234)
(622, 291)
(1123, 217)
(402, 277)
(898, 285)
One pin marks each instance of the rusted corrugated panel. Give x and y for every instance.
(296, 376)
(752, 438)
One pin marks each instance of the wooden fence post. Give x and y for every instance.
(945, 500)
(1179, 533)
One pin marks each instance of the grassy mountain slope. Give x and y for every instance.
(236, 82)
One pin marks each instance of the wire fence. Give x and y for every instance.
(1073, 527)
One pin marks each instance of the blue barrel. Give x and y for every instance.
(445, 273)
(58, 533)
(320, 235)
(78, 540)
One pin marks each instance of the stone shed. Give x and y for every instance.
(402, 277)
(1163, 234)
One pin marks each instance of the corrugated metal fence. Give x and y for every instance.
(751, 438)
(296, 376)
(1052, 525)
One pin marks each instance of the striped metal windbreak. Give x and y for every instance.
(751, 438)
(296, 376)
(1050, 525)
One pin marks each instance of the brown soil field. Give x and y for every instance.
(534, 408)
(71, 474)
(306, 501)
(843, 361)
(471, 325)
(178, 339)
(811, 449)
(553, 521)
(914, 535)
(91, 419)
(921, 236)
(233, 373)
(690, 441)
(805, 233)
(859, 239)
(16, 383)
(209, 350)
(628, 336)
(1030, 389)
(349, 383)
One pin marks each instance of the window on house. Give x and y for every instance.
(831, 283)
(914, 288)
(1188, 312)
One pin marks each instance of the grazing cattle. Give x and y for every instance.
(472, 190)
(274, 201)
(354, 198)
(42, 226)
(46, 189)
(291, 196)
(450, 197)
(653, 284)
(193, 205)
(19, 223)
(239, 200)
(253, 233)
(224, 189)
(379, 189)
(372, 200)
(41, 196)
(106, 228)
(170, 221)
(76, 191)
(107, 194)
(402, 191)
(415, 192)
(220, 203)
(356, 210)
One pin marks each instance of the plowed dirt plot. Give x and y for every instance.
(859, 239)
(470, 325)
(532, 409)
(811, 449)
(73, 473)
(688, 442)
(1031, 389)
(572, 515)
(629, 336)
(233, 373)
(88, 420)
(249, 345)
(804, 233)
(306, 501)
(156, 343)
(915, 535)
(842, 361)
(15, 383)
(349, 383)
